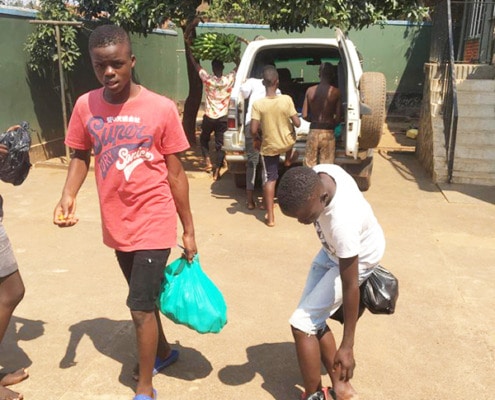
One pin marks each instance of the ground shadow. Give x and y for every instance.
(19, 329)
(116, 340)
(410, 169)
(277, 365)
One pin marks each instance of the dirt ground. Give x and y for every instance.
(74, 333)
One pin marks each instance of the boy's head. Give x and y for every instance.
(112, 59)
(108, 35)
(270, 76)
(327, 71)
(301, 194)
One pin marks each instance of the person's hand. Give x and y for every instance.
(64, 213)
(190, 248)
(13, 128)
(4, 150)
(257, 143)
(344, 361)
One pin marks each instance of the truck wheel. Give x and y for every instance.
(361, 173)
(240, 180)
(373, 93)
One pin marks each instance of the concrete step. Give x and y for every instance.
(469, 124)
(466, 110)
(476, 138)
(472, 178)
(468, 97)
(476, 85)
(475, 167)
(485, 154)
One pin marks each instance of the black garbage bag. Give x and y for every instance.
(14, 168)
(380, 291)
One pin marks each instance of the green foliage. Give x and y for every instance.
(139, 16)
(297, 15)
(240, 11)
(42, 43)
(217, 46)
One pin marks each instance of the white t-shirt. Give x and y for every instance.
(348, 227)
(253, 89)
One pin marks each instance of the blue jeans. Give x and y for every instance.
(253, 158)
(322, 295)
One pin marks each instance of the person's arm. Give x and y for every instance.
(194, 62)
(305, 107)
(246, 89)
(296, 120)
(344, 358)
(65, 210)
(255, 127)
(179, 187)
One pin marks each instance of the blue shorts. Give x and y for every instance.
(270, 167)
(144, 272)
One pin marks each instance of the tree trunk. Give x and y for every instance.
(193, 100)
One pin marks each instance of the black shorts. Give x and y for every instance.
(270, 167)
(144, 272)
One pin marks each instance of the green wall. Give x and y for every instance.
(397, 49)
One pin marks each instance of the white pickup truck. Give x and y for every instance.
(297, 60)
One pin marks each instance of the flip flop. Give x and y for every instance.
(145, 397)
(160, 364)
(327, 391)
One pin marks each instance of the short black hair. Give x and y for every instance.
(327, 71)
(108, 35)
(295, 188)
(270, 75)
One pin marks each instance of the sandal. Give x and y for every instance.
(326, 393)
(161, 364)
(145, 397)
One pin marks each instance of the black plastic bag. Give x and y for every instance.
(14, 168)
(380, 291)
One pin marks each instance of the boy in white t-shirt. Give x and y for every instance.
(352, 245)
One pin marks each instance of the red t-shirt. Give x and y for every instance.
(129, 142)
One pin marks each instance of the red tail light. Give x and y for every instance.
(231, 123)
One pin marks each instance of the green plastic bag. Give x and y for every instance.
(190, 298)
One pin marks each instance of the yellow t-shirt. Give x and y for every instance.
(274, 114)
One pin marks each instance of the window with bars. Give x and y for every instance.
(478, 12)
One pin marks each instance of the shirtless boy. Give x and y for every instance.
(323, 109)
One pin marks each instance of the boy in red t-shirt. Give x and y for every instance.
(135, 136)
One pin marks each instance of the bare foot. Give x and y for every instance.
(216, 174)
(250, 205)
(344, 391)
(13, 377)
(269, 223)
(7, 394)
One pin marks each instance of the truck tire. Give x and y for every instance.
(373, 93)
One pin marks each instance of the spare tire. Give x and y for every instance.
(373, 91)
